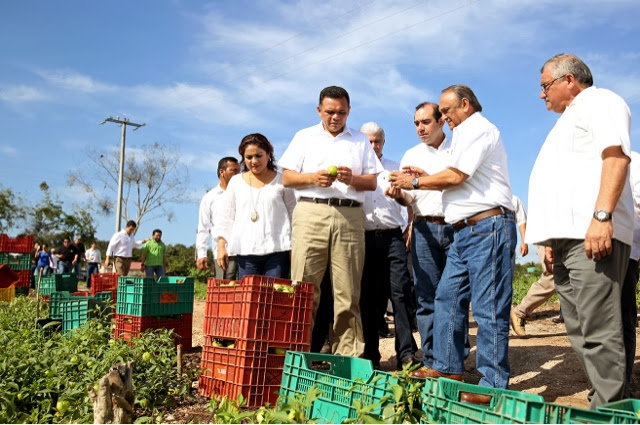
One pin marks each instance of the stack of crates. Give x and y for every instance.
(249, 326)
(101, 282)
(58, 283)
(15, 265)
(144, 303)
(73, 309)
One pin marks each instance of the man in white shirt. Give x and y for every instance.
(227, 168)
(477, 203)
(581, 210)
(386, 273)
(431, 236)
(330, 166)
(121, 247)
(94, 258)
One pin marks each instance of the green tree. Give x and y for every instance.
(13, 210)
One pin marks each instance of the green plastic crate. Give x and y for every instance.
(342, 381)
(103, 296)
(558, 414)
(55, 300)
(441, 404)
(17, 262)
(58, 282)
(76, 311)
(629, 407)
(141, 296)
(22, 292)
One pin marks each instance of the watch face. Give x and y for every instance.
(414, 182)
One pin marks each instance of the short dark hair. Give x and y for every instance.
(462, 92)
(131, 223)
(156, 231)
(260, 141)
(436, 109)
(224, 163)
(66, 239)
(334, 92)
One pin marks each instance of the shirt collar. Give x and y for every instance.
(583, 96)
(346, 130)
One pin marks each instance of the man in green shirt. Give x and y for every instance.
(154, 259)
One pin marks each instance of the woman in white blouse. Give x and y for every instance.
(255, 216)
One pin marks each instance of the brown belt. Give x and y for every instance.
(336, 202)
(471, 221)
(430, 218)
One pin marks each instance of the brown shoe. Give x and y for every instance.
(517, 324)
(425, 372)
(475, 398)
(558, 319)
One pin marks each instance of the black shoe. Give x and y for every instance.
(386, 334)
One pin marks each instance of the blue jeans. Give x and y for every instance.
(65, 267)
(429, 247)
(479, 271)
(45, 271)
(386, 274)
(92, 268)
(151, 270)
(277, 264)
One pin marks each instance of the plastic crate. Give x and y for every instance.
(101, 282)
(24, 292)
(55, 301)
(7, 294)
(76, 311)
(442, 404)
(342, 381)
(17, 262)
(22, 245)
(141, 296)
(24, 279)
(629, 407)
(128, 327)
(44, 324)
(254, 309)
(233, 371)
(8, 277)
(557, 414)
(58, 282)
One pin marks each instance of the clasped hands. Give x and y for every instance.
(402, 180)
(323, 178)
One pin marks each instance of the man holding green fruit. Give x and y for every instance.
(330, 166)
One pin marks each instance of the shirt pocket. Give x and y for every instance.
(582, 139)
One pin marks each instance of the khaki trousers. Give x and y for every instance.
(328, 236)
(538, 293)
(122, 265)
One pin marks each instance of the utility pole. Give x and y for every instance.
(124, 123)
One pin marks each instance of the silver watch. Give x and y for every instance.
(415, 182)
(602, 215)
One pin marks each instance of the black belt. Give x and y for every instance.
(336, 202)
(471, 221)
(124, 258)
(382, 232)
(430, 218)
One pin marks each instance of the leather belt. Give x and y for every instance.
(471, 221)
(336, 202)
(430, 219)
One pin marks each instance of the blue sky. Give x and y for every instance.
(204, 74)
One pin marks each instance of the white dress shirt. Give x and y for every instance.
(208, 211)
(565, 180)
(121, 244)
(518, 208)
(271, 232)
(93, 255)
(382, 212)
(313, 149)
(634, 177)
(431, 160)
(53, 260)
(477, 151)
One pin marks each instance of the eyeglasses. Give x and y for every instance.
(545, 86)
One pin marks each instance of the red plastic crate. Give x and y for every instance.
(253, 309)
(22, 245)
(24, 279)
(8, 277)
(128, 327)
(101, 282)
(233, 371)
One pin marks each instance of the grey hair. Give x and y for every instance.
(465, 92)
(565, 63)
(372, 128)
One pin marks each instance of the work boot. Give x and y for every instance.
(518, 324)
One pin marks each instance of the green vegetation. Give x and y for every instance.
(522, 281)
(46, 375)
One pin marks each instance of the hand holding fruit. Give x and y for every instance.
(323, 178)
(345, 175)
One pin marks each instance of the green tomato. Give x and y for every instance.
(62, 406)
(20, 396)
(332, 170)
(50, 373)
(96, 387)
(74, 359)
(144, 403)
(90, 363)
(147, 356)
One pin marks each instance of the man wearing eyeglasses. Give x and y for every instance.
(581, 210)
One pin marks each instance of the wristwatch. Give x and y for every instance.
(415, 183)
(602, 215)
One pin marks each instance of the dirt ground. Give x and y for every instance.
(542, 363)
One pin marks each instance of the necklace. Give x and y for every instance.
(254, 213)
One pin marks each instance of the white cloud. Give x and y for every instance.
(21, 93)
(8, 150)
(74, 81)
